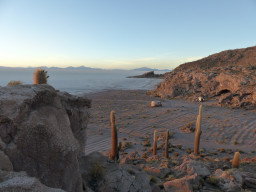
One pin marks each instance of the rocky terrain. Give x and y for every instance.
(224, 131)
(43, 145)
(150, 74)
(42, 134)
(228, 76)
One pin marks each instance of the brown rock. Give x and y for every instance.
(228, 74)
(180, 185)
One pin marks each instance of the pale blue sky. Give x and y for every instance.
(121, 33)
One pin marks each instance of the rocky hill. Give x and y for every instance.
(229, 76)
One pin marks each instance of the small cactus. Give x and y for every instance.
(166, 154)
(236, 160)
(40, 76)
(155, 144)
(198, 131)
(114, 154)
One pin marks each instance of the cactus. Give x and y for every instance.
(155, 144)
(114, 154)
(40, 76)
(198, 131)
(236, 160)
(166, 154)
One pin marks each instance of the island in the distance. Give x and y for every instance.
(149, 74)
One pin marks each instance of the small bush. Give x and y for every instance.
(11, 83)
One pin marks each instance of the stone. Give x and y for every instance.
(157, 172)
(2, 144)
(21, 182)
(229, 181)
(181, 185)
(249, 179)
(190, 167)
(40, 134)
(5, 163)
(99, 174)
(156, 104)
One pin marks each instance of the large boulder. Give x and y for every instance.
(40, 134)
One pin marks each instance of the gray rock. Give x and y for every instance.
(5, 163)
(190, 167)
(41, 137)
(20, 182)
(249, 179)
(230, 181)
(102, 175)
(2, 144)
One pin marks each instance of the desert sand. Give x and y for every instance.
(224, 130)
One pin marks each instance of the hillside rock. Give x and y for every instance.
(43, 133)
(229, 76)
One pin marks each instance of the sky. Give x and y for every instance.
(121, 34)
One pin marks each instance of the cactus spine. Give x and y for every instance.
(198, 131)
(236, 160)
(40, 76)
(166, 154)
(155, 144)
(114, 150)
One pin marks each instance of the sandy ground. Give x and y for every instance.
(225, 128)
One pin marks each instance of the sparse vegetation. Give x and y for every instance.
(11, 83)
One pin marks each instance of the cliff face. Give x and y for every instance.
(43, 133)
(228, 75)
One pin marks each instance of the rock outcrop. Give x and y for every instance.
(42, 132)
(100, 174)
(229, 76)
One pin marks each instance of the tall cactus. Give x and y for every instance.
(114, 154)
(155, 144)
(198, 131)
(166, 154)
(236, 160)
(40, 76)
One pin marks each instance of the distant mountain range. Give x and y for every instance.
(87, 68)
